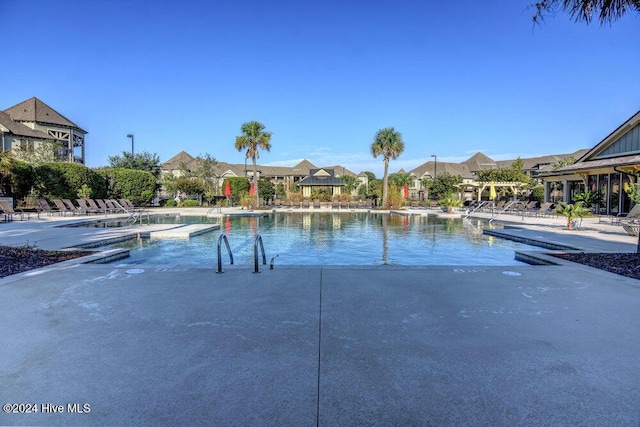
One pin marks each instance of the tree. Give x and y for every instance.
(253, 137)
(7, 163)
(400, 179)
(387, 143)
(144, 161)
(266, 188)
(39, 153)
(442, 186)
(205, 172)
(352, 183)
(571, 211)
(514, 173)
(564, 162)
(606, 11)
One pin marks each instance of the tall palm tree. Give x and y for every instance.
(253, 137)
(605, 11)
(387, 143)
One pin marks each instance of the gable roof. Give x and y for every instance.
(321, 177)
(479, 161)
(591, 159)
(34, 110)
(181, 158)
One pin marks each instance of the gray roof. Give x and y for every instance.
(18, 129)
(34, 110)
(595, 164)
(321, 177)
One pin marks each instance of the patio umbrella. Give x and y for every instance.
(252, 190)
(406, 191)
(492, 192)
(227, 189)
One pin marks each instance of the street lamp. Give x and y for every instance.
(435, 166)
(131, 136)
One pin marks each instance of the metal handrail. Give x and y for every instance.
(256, 268)
(486, 202)
(508, 206)
(226, 242)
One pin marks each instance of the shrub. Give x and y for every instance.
(170, 203)
(190, 203)
(537, 194)
(62, 180)
(136, 185)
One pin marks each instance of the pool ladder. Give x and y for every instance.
(256, 244)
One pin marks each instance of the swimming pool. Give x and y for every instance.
(325, 238)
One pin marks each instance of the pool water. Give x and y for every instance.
(302, 238)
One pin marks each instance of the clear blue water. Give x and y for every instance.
(300, 238)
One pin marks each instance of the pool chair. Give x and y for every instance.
(632, 217)
(103, 206)
(117, 206)
(305, 204)
(86, 208)
(631, 229)
(97, 208)
(62, 208)
(44, 206)
(8, 211)
(126, 203)
(75, 209)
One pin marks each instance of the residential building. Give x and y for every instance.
(468, 169)
(287, 175)
(32, 122)
(610, 168)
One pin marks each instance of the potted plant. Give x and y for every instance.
(572, 211)
(449, 202)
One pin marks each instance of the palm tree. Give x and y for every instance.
(388, 143)
(606, 12)
(253, 137)
(571, 211)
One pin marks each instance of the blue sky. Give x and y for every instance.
(453, 77)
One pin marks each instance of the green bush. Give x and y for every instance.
(537, 194)
(136, 185)
(21, 182)
(190, 203)
(59, 180)
(170, 203)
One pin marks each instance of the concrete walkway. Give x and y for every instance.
(331, 346)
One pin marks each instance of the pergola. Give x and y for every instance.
(481, 186)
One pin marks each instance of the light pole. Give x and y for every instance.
(435, 166)
(131, 136)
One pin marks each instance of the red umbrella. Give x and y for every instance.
(252, 191)
(227, 189)
(406, 191)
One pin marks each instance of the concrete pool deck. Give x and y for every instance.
(334, 346)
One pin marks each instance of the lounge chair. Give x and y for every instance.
(75, 209)
(130, 207)
(544, 209)
(631, 229)
(116, 206)
(97, 208)
(84, 205)
(8, 211)
(632, 217)
(103, 206)
(62, 208)
(44, 206)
